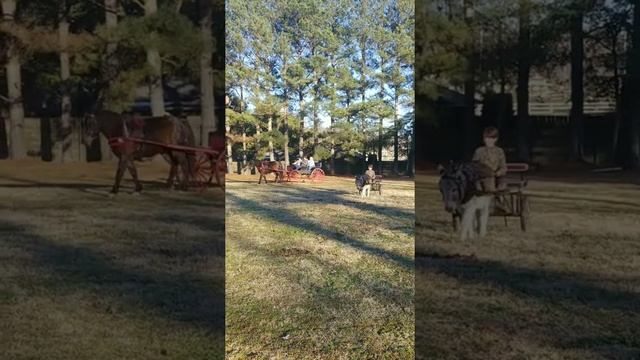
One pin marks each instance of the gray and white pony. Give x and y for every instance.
(462, 198)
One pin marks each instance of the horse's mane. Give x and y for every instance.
(466, 174)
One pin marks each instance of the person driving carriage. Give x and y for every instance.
(492, 156)
(370, 174)
(311, 164)
(297, 164)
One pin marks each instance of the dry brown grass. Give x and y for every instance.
(567, 289)
(314, 271)
(88, 277)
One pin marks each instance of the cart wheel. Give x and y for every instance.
(202, 171)
(524, 212)
(293, 175)
(317, 175)
(220, 169)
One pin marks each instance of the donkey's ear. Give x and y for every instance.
(440, 169)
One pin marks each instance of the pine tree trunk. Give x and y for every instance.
(396, 130)
(258, 147)
(285, 117)
(111, 20)
(269, 128)
(618, 113)
(380, 126)
(634, 74)
(411, 158)
(332, 170)
(301, 139)
(315, 128)
(286, 141)
(524, 69)
(381, 120)
(470, 89)
(244, 149)
(229, 147)
(69, 147)
(155, 62)
(17, 146)
(4, 141)
(207, 99)
(363, 87)
(577, 86)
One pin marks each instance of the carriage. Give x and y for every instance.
(315, 175)
(513, 197)
(208, 162)
(290, 174)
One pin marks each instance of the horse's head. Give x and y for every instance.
(360, 181)
(91, 128)
(453, 183)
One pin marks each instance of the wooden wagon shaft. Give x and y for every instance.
(120, 141)
(209, 161)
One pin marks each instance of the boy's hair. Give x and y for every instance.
(370, 166)
(490, 132)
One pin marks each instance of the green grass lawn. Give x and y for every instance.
(83, 276)
(569, 288)
(314, 271)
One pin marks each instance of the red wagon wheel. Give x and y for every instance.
(203, 170)
(317, 175)
(294, 175)
(220, 169)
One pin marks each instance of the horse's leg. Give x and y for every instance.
(184, 168)
(122, 164)
(134, 173)
(172, 170)
(172, 174)
(187, 164)
(484, 219)
(466, 223)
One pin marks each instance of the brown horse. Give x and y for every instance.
(268, 167)
(162, 129)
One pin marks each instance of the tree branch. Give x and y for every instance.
(112, 11)
(139, 3)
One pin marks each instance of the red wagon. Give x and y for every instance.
(291, 174)
(209, 163)
(315, 175)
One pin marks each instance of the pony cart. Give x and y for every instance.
(206, 163)
(289, 174)
(515, 203)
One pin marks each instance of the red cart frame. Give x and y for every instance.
(209, 162)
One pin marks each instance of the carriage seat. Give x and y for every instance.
(516, 183)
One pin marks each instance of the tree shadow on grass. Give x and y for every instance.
(581, 302)
(338, 314)
(18, 183)
(384, 290)
(313, 196)
(340, 197)
(289, 217)
(189, 298)
(546, 285)
(570, 199)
